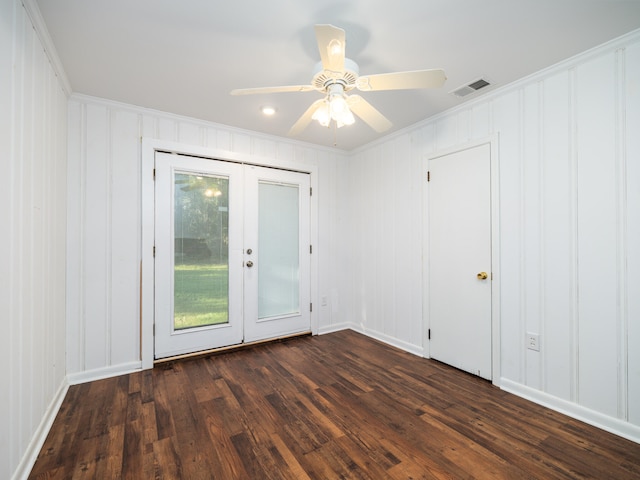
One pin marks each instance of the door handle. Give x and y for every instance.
(482, 276)
(249, 264)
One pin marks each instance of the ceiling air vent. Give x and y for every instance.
(470, 88)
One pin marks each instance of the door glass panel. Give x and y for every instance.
(279, 270)
(201, 250)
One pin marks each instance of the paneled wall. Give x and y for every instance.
(33, 127)
(385, 265)
(569, 187)
(105, 222)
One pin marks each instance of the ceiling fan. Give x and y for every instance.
(335, 76)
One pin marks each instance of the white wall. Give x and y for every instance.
(33, 126)
(384, 291)
(104, 215)
(569, 153)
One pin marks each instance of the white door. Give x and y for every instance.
(277, 253)
(220, 229)
(460, 259)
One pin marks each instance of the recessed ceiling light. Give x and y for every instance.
(268, 110)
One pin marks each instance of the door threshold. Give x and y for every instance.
(238, 346)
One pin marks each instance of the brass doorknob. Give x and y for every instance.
(249, 264)
(483, 276)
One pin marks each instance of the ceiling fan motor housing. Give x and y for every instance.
(323, 79)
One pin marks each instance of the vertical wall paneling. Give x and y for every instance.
(404, 254)
(7, 196)
(125, 249)
(447, 132)
(223, 140)
(387, 196)
(20, 89)
(556, 237)
(573, 219)
(32, 247)
(621, 221)
(149, 126)
(413, 248)
(505, 117)
(75, 254)
(189, 134)
(241, 143)
(597, 239)
(531, 227)
(24, 227)
(632, 255)
(463, 124)
(479, 125)
(167, 129)
(96, 239)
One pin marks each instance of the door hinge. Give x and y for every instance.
(428, 176)
(429, 334)
(311, 191)
(311, 307)
(310, 249)
(154, 251)
(154, 173)
(154, 329)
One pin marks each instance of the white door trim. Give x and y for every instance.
(149, 147)
(495, 248)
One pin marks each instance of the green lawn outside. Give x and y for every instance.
(200, 295)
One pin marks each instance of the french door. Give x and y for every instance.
(232, 255)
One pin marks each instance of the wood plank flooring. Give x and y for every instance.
(337, 406)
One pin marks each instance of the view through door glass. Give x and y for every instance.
(198, 254)
(201, 249)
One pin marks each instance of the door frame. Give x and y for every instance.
(492, 141)
(149, 147)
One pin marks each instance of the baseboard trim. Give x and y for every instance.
(610, 424)
(394, 342)
(102, 373)
(336, 327)
(40, 435)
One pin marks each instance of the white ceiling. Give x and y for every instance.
(184, 56)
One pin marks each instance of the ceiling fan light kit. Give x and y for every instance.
(334, 107)
(335, 75)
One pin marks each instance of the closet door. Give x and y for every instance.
(460, 260)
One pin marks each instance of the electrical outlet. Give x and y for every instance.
(533, 341)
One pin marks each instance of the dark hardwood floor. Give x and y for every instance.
(336, 406)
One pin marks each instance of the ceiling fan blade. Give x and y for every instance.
(368, 113)
(290, 88)
(331, 44)
(402, 80)
(305, 119)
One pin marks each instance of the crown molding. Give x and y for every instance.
(39, 25)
